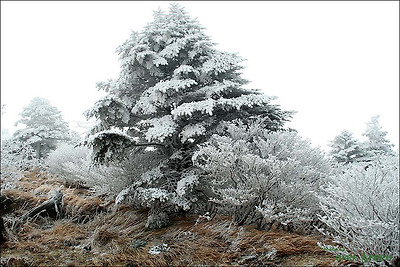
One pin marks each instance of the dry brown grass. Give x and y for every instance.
(82, 207)
(22, 199)
(105, 237)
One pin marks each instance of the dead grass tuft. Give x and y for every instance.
(19, 261)
(296, 244)
(80, 206)
(64, 233)
(43, 190)
(20, 199)
(103, 236)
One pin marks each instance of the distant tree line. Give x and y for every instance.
(345, 148)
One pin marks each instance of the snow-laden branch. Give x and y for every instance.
(116, 134)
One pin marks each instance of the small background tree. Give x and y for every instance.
(5, 134)
(44, 127)
(346, 149)
(376, 144)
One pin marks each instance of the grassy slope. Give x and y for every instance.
(89, 234)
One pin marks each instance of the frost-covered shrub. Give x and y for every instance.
(69, 162)
(361, 206)
(16, 157)
(254, 172)
(73, 164)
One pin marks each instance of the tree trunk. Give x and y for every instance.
(156, 217)
(53, 203)
(38, 150)
(3, 233)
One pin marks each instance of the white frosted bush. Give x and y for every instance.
(255, 172)
(361, 206)
(16, 157)
(73, 164)
(69, 162)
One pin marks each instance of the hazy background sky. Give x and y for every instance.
(334, 62)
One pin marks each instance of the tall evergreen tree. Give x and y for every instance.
(346, 149)
(173, 91)
(44, 127)
(377, 143)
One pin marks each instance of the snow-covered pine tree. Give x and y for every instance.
(44, 127)
(173, 91)
(376, 144)
(346, 149)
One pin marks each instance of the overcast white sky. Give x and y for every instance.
(334, 62)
